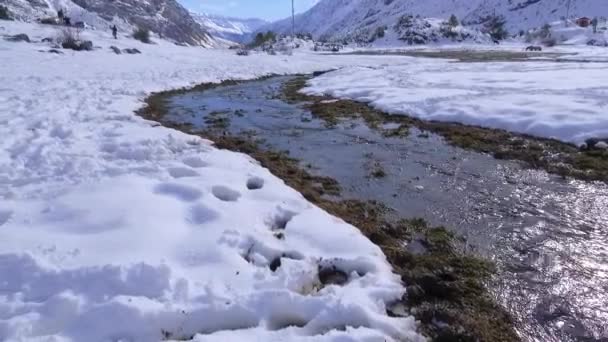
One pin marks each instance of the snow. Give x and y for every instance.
(566, 101)
(113, 228)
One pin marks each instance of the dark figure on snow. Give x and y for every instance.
(115, 32)
(60, 14)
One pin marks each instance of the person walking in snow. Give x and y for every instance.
(115, 32)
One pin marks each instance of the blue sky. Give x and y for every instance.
(265, 9)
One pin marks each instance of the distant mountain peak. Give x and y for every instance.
(229, 28)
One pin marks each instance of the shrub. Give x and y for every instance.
(142, 34)
(4, 13)
(545, 31)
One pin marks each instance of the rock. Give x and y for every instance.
(131, 51)
(87, 45)
(76, 45)
(275, 264)
(55, 51)
(70, 44)
(47, 40)
(22, 37)
(115, 49)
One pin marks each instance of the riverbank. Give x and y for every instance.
(446, 287)
(551, 155)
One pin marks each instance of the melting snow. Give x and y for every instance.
(567, 101)
(115, 229)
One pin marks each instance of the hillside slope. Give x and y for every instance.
(337, 19)
(165, 17)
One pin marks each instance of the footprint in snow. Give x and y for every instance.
(195, 162)
(225, 194)
(182, 192)
(255, 183)
(200, 214)
(182, 172)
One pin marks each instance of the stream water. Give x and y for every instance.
(549, 236)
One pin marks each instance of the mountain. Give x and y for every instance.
(165, 17)
(341, 19)
(233, 29)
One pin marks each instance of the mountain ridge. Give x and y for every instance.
(340, 19)
(233, 29)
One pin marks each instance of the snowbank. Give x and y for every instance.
(566, 101)
(115, 229)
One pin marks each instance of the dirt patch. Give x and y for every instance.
(551, 155)
(446, 288)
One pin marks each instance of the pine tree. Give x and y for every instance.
(453, 22)
(495, 27)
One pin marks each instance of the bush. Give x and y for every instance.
(142, 34)
(545, 31)
(263, 38)
(4, 13)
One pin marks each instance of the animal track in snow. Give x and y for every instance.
(225, 194)
(182, 192)
(255, 183)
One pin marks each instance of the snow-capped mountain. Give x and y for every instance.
(166, 18)
(338, 19)
(233, 29)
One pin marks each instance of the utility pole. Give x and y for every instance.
(568, 11)
(293, 20)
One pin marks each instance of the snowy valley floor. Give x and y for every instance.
(114, 228)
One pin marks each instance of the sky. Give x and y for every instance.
(264, 9)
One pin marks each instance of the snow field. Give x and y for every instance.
(566, 101)
(113, 228)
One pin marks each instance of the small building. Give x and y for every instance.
(583, 22)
